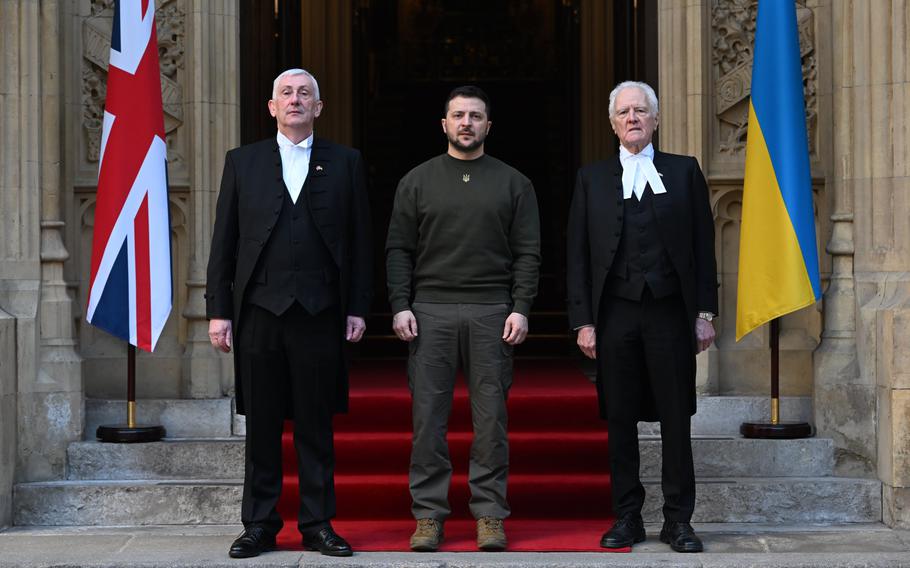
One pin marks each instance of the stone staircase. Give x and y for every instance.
(194, 476)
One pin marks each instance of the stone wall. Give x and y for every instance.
(32, 252)
(7, 414)
(871, 101)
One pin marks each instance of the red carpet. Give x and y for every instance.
(559, 487)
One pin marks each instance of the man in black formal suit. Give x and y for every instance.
(288, 281)
(642, 283)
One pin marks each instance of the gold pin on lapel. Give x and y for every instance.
(466, 178)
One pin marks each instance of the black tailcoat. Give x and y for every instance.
(247, 210)
(685, 227)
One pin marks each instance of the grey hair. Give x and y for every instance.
(291, 73)
(646, 89)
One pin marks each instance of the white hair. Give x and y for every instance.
(291, 73)
(645, 88)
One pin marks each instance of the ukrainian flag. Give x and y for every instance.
(778, 258)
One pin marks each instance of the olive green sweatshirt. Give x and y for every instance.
(463, 231)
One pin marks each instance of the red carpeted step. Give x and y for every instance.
(545, 496)
(389, 452)
(544, 396)
(559, 486)
(570, 410)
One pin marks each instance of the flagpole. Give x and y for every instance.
(775, 429)
(131, 385)
(775, 371)
(130, 432)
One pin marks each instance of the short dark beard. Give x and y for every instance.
(467, 148)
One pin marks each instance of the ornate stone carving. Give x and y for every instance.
(733, 37)
(94, 90)
(99, 6)
(170, 21)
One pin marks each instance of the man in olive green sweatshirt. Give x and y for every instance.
(463, 254)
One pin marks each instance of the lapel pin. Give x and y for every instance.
(318, 168)
(660, 174)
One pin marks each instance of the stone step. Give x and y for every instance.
(181, 418)
(866, 545)
(212, 418)
(723, 415)
(746, 500)
(387, 452)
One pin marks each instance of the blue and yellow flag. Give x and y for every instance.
(778, 258)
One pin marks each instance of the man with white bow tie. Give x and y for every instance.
(642, 285)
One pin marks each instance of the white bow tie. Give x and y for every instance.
(639, 171)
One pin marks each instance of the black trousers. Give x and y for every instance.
(291, 362)
(644, 350)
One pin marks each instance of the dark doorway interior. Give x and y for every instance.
(523, 54)
(269, 44)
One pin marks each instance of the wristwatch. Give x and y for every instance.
(707, 316)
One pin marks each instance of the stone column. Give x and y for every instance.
(684, 58)
(52, 415)
(871, 96)
(843, 400)
(213, 109)
(49, 389)
(8, 413)
(19, 260)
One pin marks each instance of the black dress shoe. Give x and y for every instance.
(327, 542)
(681, 537)
(252, 542)
(626, 531)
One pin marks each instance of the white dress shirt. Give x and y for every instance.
(295, 163)
(638, 171)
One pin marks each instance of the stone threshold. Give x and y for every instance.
(869, 545)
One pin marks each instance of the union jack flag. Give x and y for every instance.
(130, 291)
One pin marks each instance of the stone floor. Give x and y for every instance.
(727, 546)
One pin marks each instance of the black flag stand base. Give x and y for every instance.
(124, 433)
(779, 431)
(775, 430)
(130, 432)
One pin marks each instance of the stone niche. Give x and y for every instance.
(104, 368)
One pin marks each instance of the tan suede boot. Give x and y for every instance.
(491, 536)
(428, 536)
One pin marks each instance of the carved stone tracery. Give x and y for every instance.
(733, 37)
(170, 25)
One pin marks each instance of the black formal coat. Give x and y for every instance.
(252, 183)
(684, 224)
